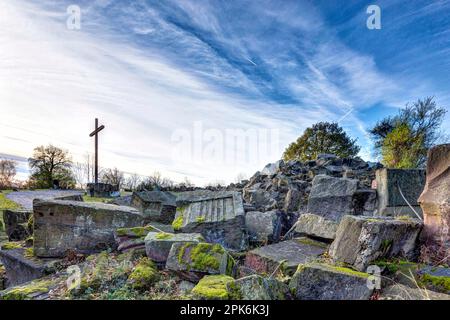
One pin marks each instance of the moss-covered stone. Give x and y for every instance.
(163, 235)
(138, 232)
(178, 222)
(11, 245)
(143, 275)
(28, 252)
(438, 283)
(26, 292)
(213, 288)
(200, 219)
(202, 256)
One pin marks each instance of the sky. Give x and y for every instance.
(209, 90)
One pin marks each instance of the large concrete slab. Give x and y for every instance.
(392, 183)
(362, 240)
(266, 259)
(156, 206)
(435, 202)
(61, 225)
(218, 216)
(16, 224)
(21, 268)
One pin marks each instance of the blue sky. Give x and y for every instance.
(150, 68)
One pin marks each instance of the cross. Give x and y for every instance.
(95, 133)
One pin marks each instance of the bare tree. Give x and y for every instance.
(7, 173)
(133, 181)
(240, 177)
(114, 177)
(80, 173)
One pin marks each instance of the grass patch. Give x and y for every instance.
(87, 198)
(6, 204)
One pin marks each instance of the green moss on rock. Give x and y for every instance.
(439, 283)
(143, 275)
(163, 236)
(11, 245)
(26, 292)
(138, 232)
(178, 222)
(213, 288)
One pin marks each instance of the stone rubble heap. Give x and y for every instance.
(314, 230)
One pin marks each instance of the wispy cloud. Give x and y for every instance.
(147, 69)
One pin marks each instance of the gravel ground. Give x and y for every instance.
(25, 198)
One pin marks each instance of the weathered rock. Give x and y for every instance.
(402, 292)
(316, 226)
(70, 197)
(435, 202)
(21, 267)
(83, 227)
(272, 168)
(332, 198)
(157, 206)
(122, 201)
(134, 238)
(102, 190)
(3, 278)
(389, 182)
(263, 227)
(218, 216)
(362, 240)
(325, 282)
(158, 244)
(193, 260)
(214, 287)
(255, 287)
(16, 224)
(284, 256)
(435, 278)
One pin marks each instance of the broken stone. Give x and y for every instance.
(134, 238)
(83, 227)
(332, 198)
(16, 224)
(402, 292)
(435, 202)
(70, 197)
(157, 206)
(214, 287)
(218, 216)
(435, 278)
(362, 240)
(283, 257)
(3, 278)
(325, 282)
(21, 266)
(255, 287)
(122, 201)
(193, 260)
(158, 244)
(102, 190)
(316, 226)
(263, 227)
(390, 182)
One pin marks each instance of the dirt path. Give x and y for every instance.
(25, 198)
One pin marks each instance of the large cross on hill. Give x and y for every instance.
(95, 133)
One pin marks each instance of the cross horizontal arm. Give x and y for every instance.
(93, 133)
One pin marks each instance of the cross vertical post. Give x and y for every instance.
(95, 133)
